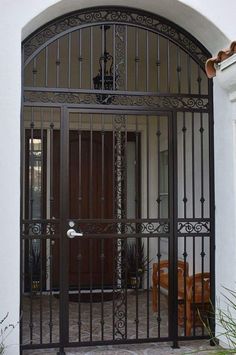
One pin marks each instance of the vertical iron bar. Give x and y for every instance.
(194, 288)
(91, 287)
(114, 57)
(212, 204)
(69, 60)
(113, 170)
(137, 199)
(51, 162)
(90, 216)
(136, 287)
(103, 168)
(113, 282)
(102, 241)
(42, 216)
(136, 213)
(147, 60)
(126, 286)
(159, 290)
(147, 287)
(31, 164)
(168, 66)
(202, 200)
(185, 286)
(51, 205)
(199, 80)
(193, 165)
(158, 63)
(103, 49)
(64, 247)
(136, 59)
(31, 325)
(158, 134)
(46, 66)
(41, 293)
(80, 58)
(22, 202)
(30, 212)
(102, 289)
(50, 291)
(184, 129)
(41, 163)
(79, 290)
(91, 170)
(91, 57)
(126, 57)
(79, 213)
(124, 214)
(35, 71)
(58, 64)
(147, 157)
(178, 70)
(50, 273)
(189, 72)
(80, 171)
(173, 212)
(202, 278)
(114, 240)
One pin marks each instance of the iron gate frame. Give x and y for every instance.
(172, 301)
(171, 111)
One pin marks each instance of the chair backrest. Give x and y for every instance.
(163, 266)
(199, 284)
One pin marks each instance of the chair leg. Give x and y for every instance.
(154, 298)
(188, 318)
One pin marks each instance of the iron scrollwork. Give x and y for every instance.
(38, 229)
(117, 15)
(119, 212)
(191, 227)
(120, 228)
(173, 102)
(120, 34)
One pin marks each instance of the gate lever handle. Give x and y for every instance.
(71, 233)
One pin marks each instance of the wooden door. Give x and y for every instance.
(86, 201)
(90, 156)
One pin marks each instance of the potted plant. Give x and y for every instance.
(136, 263)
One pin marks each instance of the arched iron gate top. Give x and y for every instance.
(113, 15)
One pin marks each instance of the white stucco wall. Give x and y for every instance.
(19, 19)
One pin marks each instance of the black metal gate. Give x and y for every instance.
(117, 232)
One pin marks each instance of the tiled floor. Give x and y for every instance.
(192, 347)
(41, 312)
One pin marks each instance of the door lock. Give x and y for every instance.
(71, 233)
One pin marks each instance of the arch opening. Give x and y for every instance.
(117, 180)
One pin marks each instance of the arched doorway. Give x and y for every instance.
(117, 181)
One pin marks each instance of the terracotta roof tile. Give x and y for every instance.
(222, 55)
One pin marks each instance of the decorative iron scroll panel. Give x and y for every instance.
(130, 165)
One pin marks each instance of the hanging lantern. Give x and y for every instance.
(105, 79)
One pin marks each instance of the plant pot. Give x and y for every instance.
(134, 281)
(35, 286)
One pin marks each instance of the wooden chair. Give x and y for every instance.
(197, 300)
(160, 278)
(193, 292)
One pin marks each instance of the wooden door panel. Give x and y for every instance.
(87, 204)
(86, 198)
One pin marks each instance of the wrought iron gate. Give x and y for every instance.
(117, 232)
